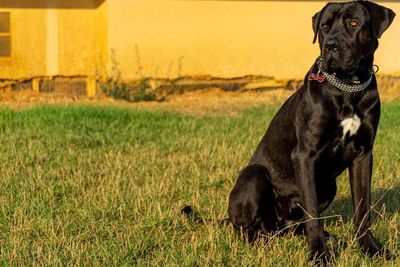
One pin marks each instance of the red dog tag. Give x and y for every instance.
(320, 78)
(316, 77)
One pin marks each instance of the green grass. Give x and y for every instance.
(104, 186)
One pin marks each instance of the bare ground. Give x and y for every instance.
(204, 102)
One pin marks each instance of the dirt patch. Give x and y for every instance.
(218, 102)
(205, 102)
(212, 101)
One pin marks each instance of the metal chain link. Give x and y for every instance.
(332, 79)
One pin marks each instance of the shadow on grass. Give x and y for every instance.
(385, 201)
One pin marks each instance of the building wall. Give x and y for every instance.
(83, 41)
(224, 38)
(28, 44)
(161, 38)
(56, 37)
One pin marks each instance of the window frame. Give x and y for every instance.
(7, 33)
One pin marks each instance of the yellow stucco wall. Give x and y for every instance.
(56, 37)
(170, 38)
(28, 48)
(224, 38)
(83, 41)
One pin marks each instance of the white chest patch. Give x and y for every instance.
(350, 125)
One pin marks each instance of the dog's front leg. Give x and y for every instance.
(304, 165)
(360, 180)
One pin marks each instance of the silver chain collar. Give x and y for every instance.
(335, 81)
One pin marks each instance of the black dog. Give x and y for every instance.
(328, 125)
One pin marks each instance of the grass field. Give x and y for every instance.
(104, 186)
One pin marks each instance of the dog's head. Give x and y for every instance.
(348, 34)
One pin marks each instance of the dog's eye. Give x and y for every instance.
(353, 23)
(325, 26)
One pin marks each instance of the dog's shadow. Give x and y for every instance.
(385, 202)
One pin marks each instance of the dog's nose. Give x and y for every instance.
(331, 45)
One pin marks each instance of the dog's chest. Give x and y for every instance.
(348, 118)
(346, 141)
(350, 126)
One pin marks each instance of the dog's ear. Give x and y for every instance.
(381, 17)
(315, 22)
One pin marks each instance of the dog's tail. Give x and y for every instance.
(194, 216)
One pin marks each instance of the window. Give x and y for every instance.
(5, 34)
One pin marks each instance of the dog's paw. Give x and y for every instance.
(321, 260)
(373, 248)
(327, 235)
(321, 257)
(387, 255)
